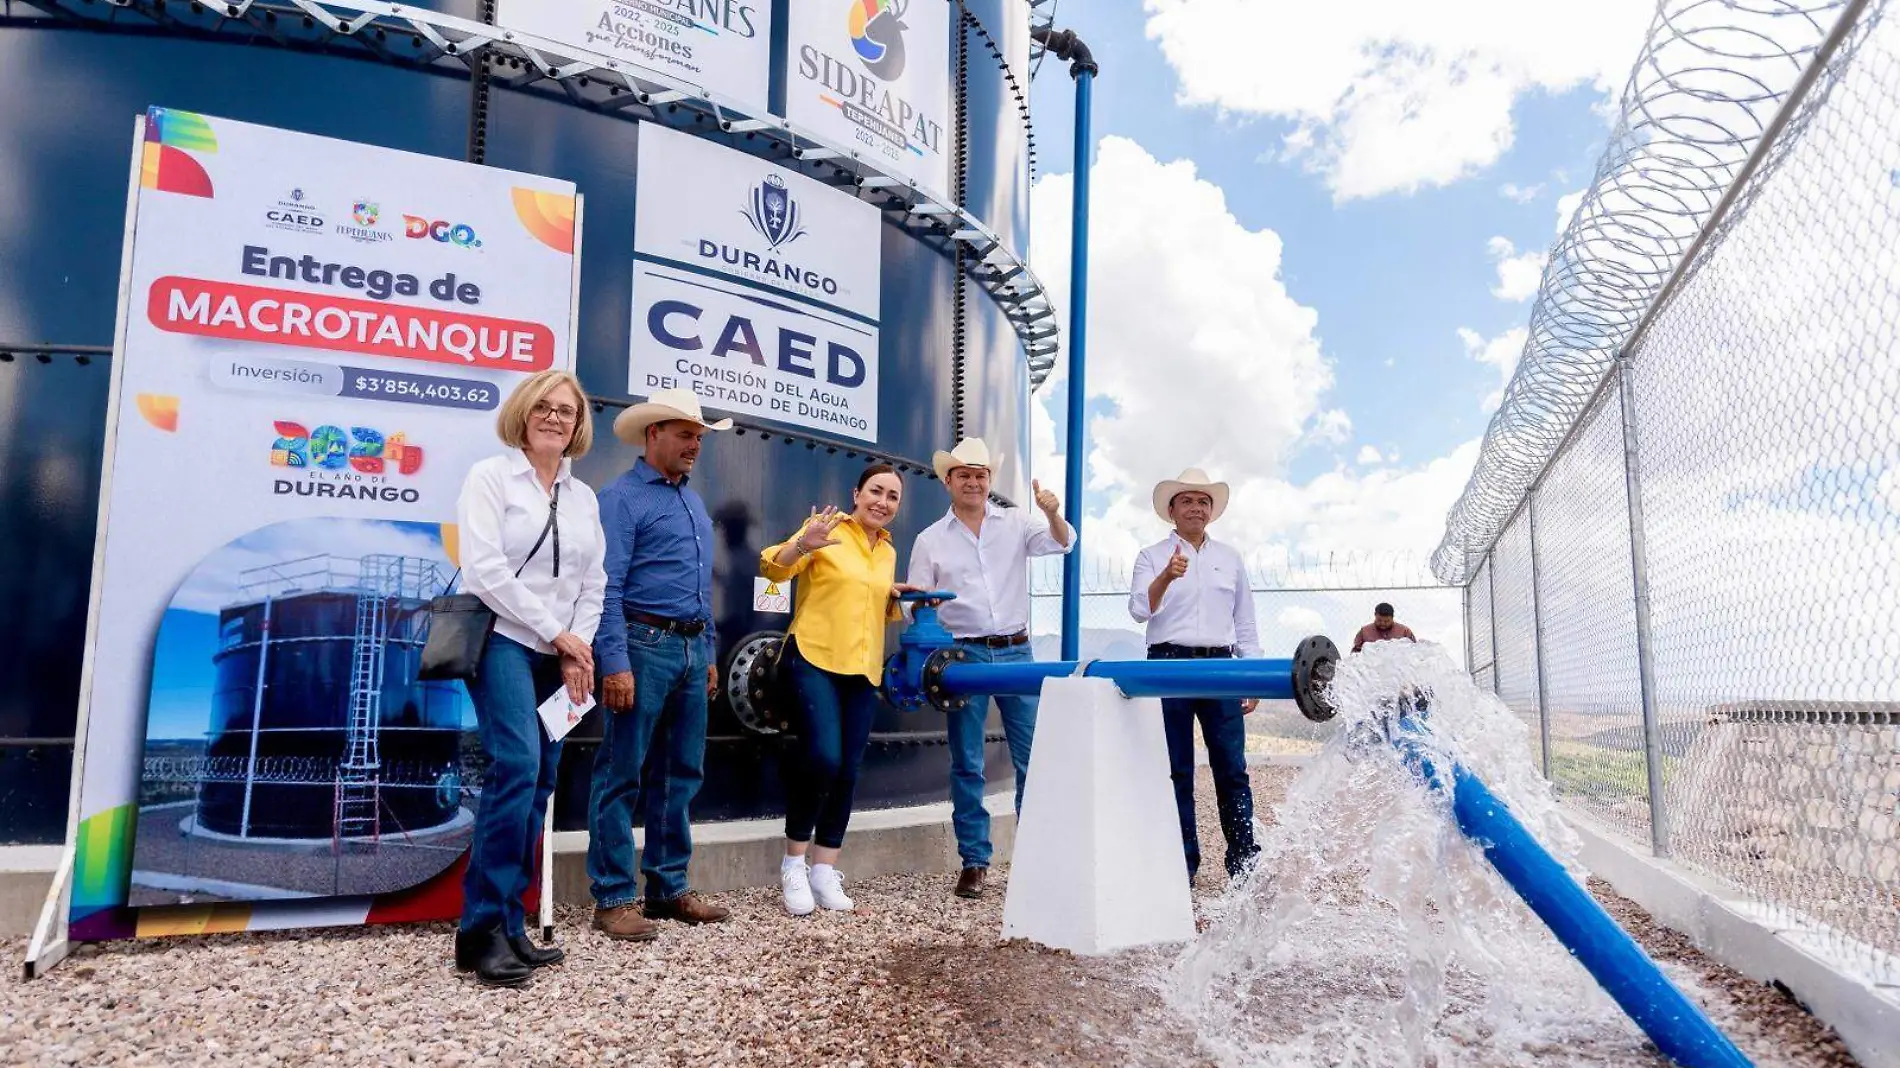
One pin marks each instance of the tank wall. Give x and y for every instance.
(63, 172)
(305, 717)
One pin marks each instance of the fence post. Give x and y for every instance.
(1491, 609)
(1537, 638)
(1639, 574)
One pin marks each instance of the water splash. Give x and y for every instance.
(1372, 932)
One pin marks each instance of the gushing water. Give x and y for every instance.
(1372, 932)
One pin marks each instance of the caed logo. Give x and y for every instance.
(877, 35)
(774, 214)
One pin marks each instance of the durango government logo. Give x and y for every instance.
(774, 214)
(877, 36)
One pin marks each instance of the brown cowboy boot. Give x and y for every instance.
(970, 883)
(624, 923)
(689, 907)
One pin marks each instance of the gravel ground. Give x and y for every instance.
(915, 977)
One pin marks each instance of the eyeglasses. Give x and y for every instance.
(564, 413)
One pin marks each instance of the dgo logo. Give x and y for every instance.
(417, 227)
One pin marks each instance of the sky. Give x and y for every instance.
(1316, 230)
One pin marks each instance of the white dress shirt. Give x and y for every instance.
(1210, 605)
(501, 513)
(988, 571)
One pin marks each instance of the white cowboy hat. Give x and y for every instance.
(1193, 479)
(663, 406)
(970, 452)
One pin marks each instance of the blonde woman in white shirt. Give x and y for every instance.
(531, 549)
(1193, 594)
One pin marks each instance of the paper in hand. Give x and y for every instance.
(559, 713)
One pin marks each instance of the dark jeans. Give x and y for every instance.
(1224, 729)
(514, 680)
(833, 719)
(966, 730)
(660, 742)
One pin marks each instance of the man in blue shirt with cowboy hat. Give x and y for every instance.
(655, 648)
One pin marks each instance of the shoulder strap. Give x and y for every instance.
(553, 504)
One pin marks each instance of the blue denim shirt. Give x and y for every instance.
(659, 558)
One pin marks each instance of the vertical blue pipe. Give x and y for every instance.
(1078, 350)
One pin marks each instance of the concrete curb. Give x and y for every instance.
(726, 856)
(1727, 927)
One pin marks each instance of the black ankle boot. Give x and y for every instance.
(468, 948)
(493, 960)
(534, 956)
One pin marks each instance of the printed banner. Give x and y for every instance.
(724, 46)
(317, 338)
(873, 76)
(754, 286)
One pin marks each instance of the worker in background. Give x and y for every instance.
(1382, 629)
(655, 650)
(980, 552)
(1194, 595)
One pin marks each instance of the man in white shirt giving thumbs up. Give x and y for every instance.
(981, 553)
(1193, 594)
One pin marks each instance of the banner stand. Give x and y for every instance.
(50, 944)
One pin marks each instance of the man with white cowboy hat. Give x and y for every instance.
(981, 553)
(1193, 594)
(656, 648)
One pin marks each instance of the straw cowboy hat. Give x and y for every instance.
(1192, 480)
(663, 406)
(970, 452)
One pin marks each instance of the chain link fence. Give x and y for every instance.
(1754, 419)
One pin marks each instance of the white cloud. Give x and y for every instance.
(1393, 95)
(1369, 455)
(1332, 426)
(1203, 358)
(1500, 353)
(1520, 193)
(1519, 274)
(1567, 206)
(1300, 619)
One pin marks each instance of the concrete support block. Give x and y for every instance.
(1101, 866)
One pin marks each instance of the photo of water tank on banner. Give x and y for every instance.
(723, 47)
(873, 77)
(314, 339)
(754, 286)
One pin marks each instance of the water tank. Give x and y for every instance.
(303, 720)
(951, 361)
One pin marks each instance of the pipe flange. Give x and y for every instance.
(1313, 665)
(752, 683)
(940, 698)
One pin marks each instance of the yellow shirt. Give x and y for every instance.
(846, 600)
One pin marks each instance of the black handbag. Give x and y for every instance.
(460, 623)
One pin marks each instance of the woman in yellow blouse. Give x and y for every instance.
(834, 661)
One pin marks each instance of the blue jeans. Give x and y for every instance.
(967, 782)
(833, 720)
(513, 682)
(661, 742)
(1224, 729)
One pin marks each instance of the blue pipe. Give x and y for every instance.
(1270, 680)
(1078, 373)
(1666, 1015)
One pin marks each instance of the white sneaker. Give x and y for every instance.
(795, 880)
(827, 885)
